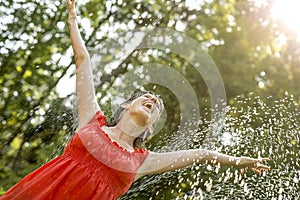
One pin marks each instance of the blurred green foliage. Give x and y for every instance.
(242, 39)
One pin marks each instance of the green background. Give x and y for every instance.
(260, 73)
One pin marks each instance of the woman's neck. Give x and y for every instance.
(124, 133)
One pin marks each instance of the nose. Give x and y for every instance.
(153, 99)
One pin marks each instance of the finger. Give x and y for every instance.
(263, 159)
(71, 3)
(263, 167)
(242, 171)
(257, 171)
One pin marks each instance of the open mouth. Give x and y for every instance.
(148, 105)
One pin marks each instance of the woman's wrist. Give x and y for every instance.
(244, 161)
(72, 17)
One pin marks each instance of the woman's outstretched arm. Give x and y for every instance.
(162, 162)
(85, 93)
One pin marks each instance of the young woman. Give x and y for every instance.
(102, 161)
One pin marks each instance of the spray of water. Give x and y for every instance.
(253, 126)
(250, 126)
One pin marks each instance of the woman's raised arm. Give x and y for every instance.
(85, 92)
(162, 162)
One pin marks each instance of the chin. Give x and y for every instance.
(141, 119)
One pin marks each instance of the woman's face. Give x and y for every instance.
(145, 110)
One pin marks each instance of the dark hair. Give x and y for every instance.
(140, 140)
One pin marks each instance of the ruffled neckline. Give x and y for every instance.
(115, 143)
(101, 118)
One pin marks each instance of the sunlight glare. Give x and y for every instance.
(287, 11)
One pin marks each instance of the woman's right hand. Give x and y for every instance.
(71, 9)
(252, 163)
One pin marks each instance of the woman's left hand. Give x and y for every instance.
(71, 9)
(254, 164)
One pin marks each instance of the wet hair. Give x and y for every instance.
(117, 115)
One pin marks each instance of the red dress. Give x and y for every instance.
(91, 167)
